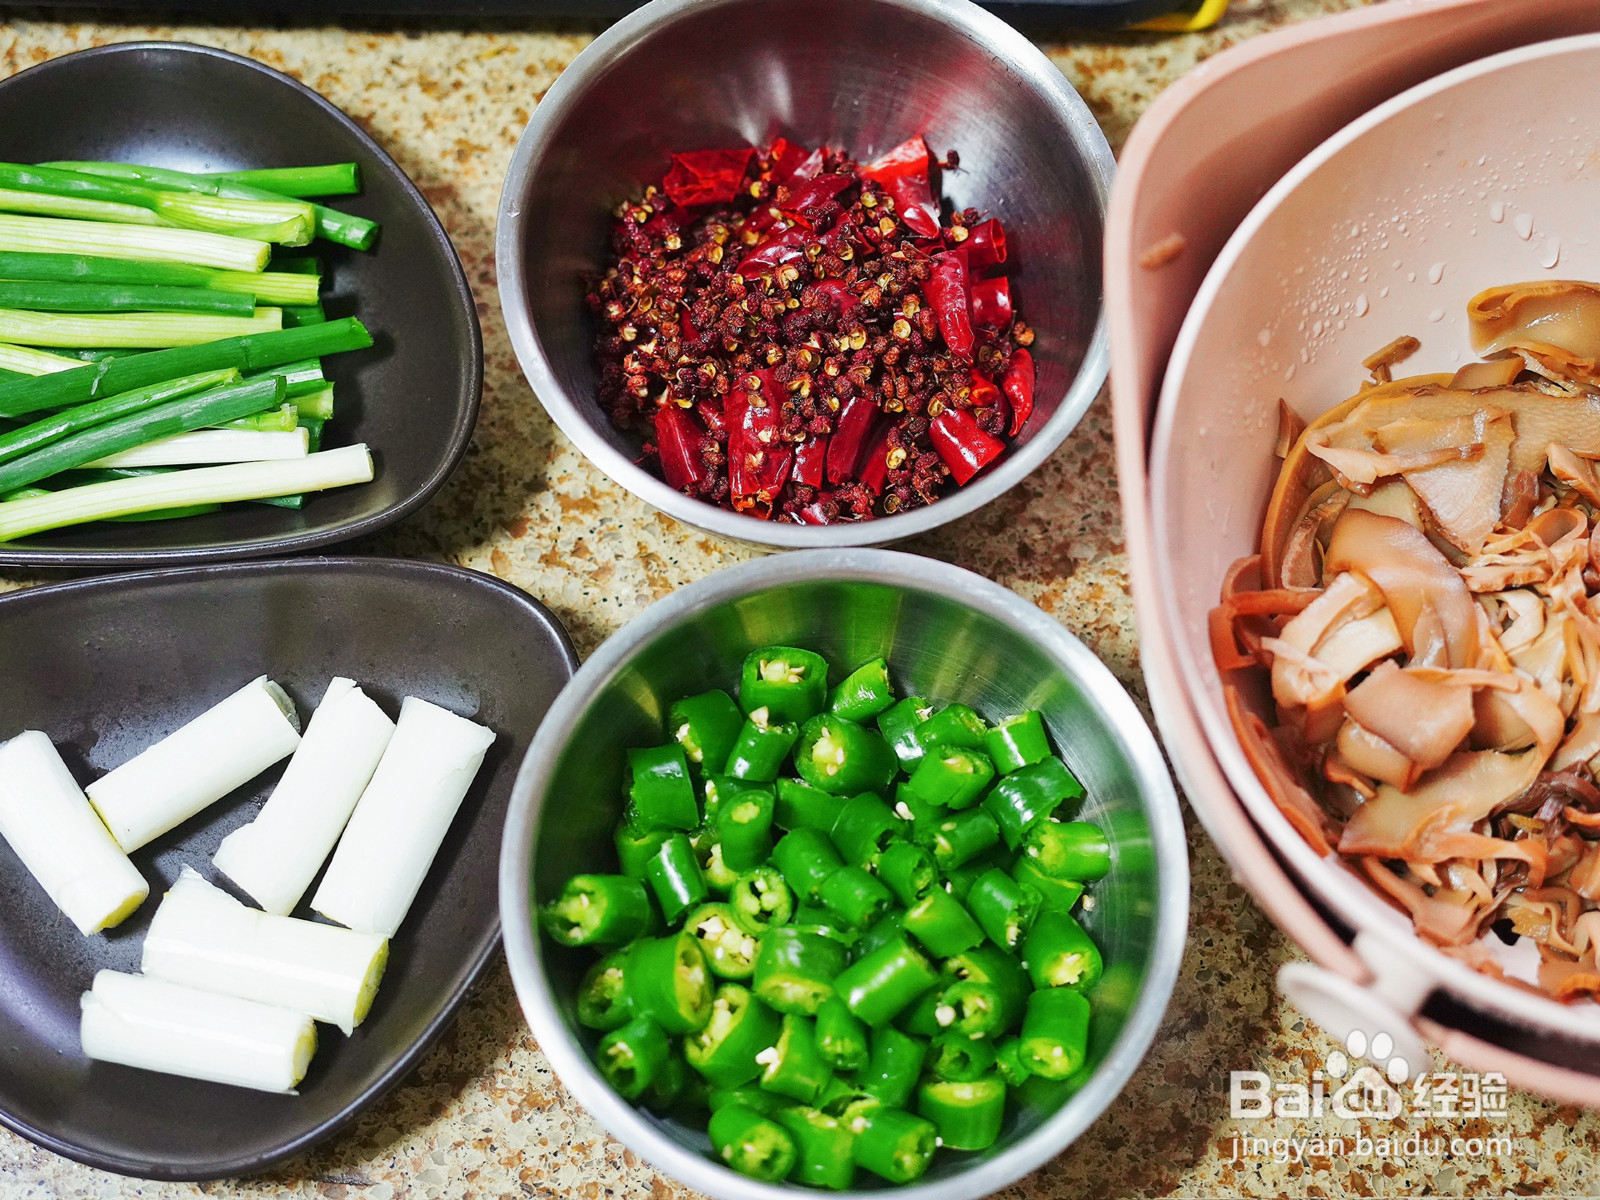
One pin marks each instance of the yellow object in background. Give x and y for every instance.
(1195, 14)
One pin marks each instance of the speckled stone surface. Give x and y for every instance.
(483, 1115)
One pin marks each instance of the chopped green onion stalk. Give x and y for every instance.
(268, 287)
(336, 179)
(162, 420)
(342, 228)
(317, 404)
(25, 360)
(56, 426)
(303, 378)
(100, 297)
(258, 352)
(207, 446)
(144, 330)
(52, 236)
(303, 314)
(276, 420)
(204, 485)
(75, 208)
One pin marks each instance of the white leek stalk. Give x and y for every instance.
(212, 446)
(224, 747)
(44, 205)
(24, 360)
(50, 235)
(159, 1026)
(179, 489)
(46, 820)
(275, 857)
(140, 330)
(204, 938)
(402, 817)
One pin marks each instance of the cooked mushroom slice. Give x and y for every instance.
(1368, 753)
(1425, 719)
(1449, 799)
(1558, 313)
(1463, 496)
(1290, 427)
(1396, 352)
(1497, 373)
(1579, 473)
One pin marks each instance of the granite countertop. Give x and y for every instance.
(483, 1115)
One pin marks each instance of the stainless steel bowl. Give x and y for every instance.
(949, 635)
(863, 74)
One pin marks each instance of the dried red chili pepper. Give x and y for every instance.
(711, 415)
(991, 303)
(965, 448)
(951, 296)
(903, 173)
(985, 393)
(985, 245)
(875, 463)
(815, 514)
(1018, 387)
(678, 445)
(772, 253)
(850, 434)
(839, 294)
(788, 159)
(706, 176)
(758, 458)
(814, 196)
(809, 459)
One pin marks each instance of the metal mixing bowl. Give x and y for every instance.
(948, 635)
(861, 74)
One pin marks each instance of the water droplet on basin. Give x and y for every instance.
(1361, 305)
(1382, 292)
(1264, 337)
(1523, 224)
(1436, 272)
(1497, 211)
(1436, 315)
(1550, 255)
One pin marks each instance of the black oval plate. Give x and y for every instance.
(413, 397)
(107, 666)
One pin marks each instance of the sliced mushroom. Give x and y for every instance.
(1463, 496)
(1560, 313)
(1422, 718)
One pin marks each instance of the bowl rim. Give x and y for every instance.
(453, 447)
(1352, 898)
(1120, 718)
(568, 93)
(224, 1166)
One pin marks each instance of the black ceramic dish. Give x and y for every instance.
(413, 397)
(107, 666)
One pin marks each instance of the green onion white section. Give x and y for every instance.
(39, 204)
(204, 938)
(49, 235)
(402, 818)
(224, 747)
(48, 823)
(125, 330)
(142, 1022)
(275, 857)
(27, 361)
(203, 485)
(213, 446)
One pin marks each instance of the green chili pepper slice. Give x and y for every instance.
(953, 725)
(1008, 1061)
(960, 1058)
(1074, 850)
(1005, 908)
(899, 725)
(866, 826)
(796, 968)
(806, 858)
(968, 1114)
(855, 897)
(636, 845)
(864, 694)
(1017, 742)
(706, 726)
(953, 776)
(761, 899)
(765, 1103)
(794, 1067)
(958, 881)
(922, 1018)
(962, 837)
(942, 925)
(675, 876)
(751, 1144)
(1027, 796)
(761, 748)
(667, 979)
(1058, 894)
(740, 1028)
(719, 788)
(843, 758)
(791, 684)
(841, 1037)
(895, 1065)
(597, 910)
(602, 997)
(895, 1145)
(801, 806)
(824, 1147)
(714, 868)
(730, 949)
(661, 790)
(1055, 1032)
(744, 827)
(888, 929)
(674, 1086)
(991, 965)
(1059, 952)
(972, 1009)
(879, 985)
(906, 869)
(924, 817)
(632, 1055)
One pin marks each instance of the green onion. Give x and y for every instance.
(303, 314)
(26, 361)
(277, 420)
(303, 378)
(207, 446)
(52, 236)
(130, 329)
(356, 232)
(268, 287)
(317, 404)
(100, 297)
(166, 514)
(336, 179)
(163, 420)
(259, 352)
(42, 205)
(204, 485)
(53, 428)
